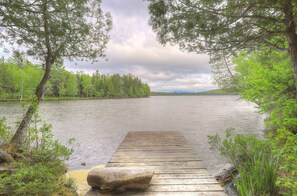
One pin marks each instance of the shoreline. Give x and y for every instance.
(104, 98)
(80, 178)
(68, 99)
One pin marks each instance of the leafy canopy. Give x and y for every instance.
(213, 26)
(56, 28)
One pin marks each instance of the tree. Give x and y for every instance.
(6, 78)
(86, 84)
(71, 85)
(97, 84)
(109, 88)
(222, 69)
(33, 76)
(226, 27)
(19, 58)
(117, 82)
(146, 89)
(18, 82)
(51, 30)
(130, 92)
(58, 80)
(265, 78)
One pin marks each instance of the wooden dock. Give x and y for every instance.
(177, 169)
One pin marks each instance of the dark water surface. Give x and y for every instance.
(99, 126)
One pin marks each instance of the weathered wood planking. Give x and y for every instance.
(177, 169)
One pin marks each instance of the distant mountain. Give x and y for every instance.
(181, 91)
(184, 93)
(217, 92)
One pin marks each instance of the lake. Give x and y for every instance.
(99, 126)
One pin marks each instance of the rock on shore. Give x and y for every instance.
(109, 179)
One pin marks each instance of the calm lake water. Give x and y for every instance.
(99, 126)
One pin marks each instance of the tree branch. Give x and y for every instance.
(275, 47)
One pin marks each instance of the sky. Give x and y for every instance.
(133, 48)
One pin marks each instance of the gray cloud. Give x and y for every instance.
(136, 8)
(133, 48)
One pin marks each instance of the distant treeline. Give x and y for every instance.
(19, 80)
(211, 92)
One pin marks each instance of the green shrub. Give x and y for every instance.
(5, 131)
(265, 77)
(40, 144)
(41, 171)
(285, 147)
(30, 180)
(253, 159)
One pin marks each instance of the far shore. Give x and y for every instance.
(103, 98)
(67, 98)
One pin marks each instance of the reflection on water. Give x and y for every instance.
(99, 126)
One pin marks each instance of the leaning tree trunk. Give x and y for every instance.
(292, 38)
(17, 139)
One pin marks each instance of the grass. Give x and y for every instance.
(254, 160)
(258, 176)
(70, 183)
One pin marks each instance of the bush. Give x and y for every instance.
(253, 159)
(5, 131)
(265, 77)
(285, 147)
(40, 170)
(41, 146)
(35, 179)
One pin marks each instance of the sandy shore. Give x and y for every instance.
(80, 177)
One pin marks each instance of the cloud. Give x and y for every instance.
(134, 48)
(191, 82)
(150, 75)
(128, 8)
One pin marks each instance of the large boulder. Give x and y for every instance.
(226, 174)
(114, 178)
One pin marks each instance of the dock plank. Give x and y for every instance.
(176, 166)
(163, 163)
(181, 181)
(184, 188)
